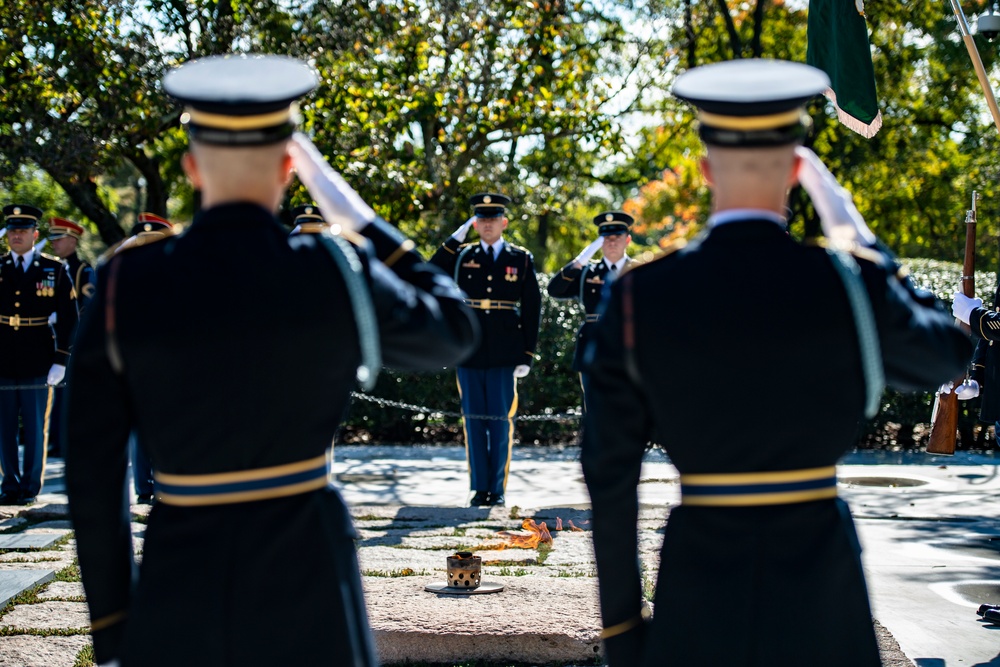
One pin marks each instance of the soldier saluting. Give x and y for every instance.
(33, 287)
(584, 280)
(197, 354)
(759, 524)
(499, 279)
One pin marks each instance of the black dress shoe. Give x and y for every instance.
(983, 608)
(496, 500)
(992, 615)
(9, 498)
(26, 500)
(480, 499)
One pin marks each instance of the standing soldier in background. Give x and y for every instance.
(759, 527)
(33, 287)
(148, 228)
(499, 279)
(307, 219)
(984, 324)
(64, 235)
(201, 367)
(584, 280)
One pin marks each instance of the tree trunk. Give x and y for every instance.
(734, 37)
(85, 197)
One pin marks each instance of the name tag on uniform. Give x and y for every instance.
(596, 280)
(471, 265)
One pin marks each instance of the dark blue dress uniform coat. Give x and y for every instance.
(43, 289)
(83, 278)
(508, 336)
(985, 326)
(776, 585)
(586, 285)
(236, 361)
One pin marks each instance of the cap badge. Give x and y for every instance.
(17, 211)
(147, 227)
(309, 210)
(487, 199)
(609, 217)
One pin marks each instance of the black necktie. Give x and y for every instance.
(20, 264)
(489, 253)
(613, 269)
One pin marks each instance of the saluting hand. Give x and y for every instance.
(338, 200)
(589, 251)
(962, 306)
(838, 216)
(463, 231)
(521, 370)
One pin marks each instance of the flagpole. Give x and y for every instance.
(977, 63)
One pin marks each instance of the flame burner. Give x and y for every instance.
(464, 577)
(464, 570)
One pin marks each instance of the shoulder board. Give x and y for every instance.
(138, 241)
(862, 252)
(51, 258)
(517, 247)
(650, 256)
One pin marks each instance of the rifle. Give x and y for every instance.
(944, 418)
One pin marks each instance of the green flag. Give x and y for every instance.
(838, 45)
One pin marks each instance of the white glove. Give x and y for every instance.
(52, 318)
(837, 214)
(968, 389)
(962, 306)
(521, 370)
(945, 389)
(589, 251)
(56, 374)
(338, 200)
(463, 231)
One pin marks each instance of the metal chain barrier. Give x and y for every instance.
(383, 403)
(386, 403)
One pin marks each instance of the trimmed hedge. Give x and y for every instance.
(553, 388)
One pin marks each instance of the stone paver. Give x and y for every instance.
(14, 583)
(535, 620)
(47, 616)
(61, 590)
(31, 651)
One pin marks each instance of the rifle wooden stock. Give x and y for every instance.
(944, 424)
(944, 418)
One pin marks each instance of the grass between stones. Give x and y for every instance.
(393, 574)
(85, 658)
